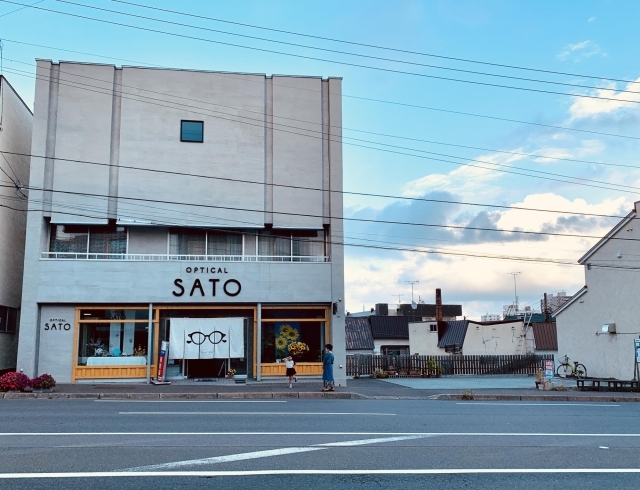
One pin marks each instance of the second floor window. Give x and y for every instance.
(192, 131)
(83, 239)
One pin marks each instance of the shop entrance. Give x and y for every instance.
(207, 368)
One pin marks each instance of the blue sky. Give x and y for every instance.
(579, 37)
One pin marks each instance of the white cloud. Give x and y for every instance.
(583, 107)
(466, 179)
(587, 147)
(580, 51)
(591, 19)
(482, 285)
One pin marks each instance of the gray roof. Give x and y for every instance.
(454, 334)
(389, 327)
(358, 334)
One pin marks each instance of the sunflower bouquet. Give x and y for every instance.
(297, 348)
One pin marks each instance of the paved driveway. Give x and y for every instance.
(465, 382)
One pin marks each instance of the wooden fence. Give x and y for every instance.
(366, 364)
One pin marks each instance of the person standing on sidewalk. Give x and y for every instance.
(327, 369)
(291, 371)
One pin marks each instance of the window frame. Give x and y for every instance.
(182, 121)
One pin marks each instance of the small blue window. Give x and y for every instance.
(192, 131)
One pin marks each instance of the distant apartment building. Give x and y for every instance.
(491, 317)
(15, 144)
(553, 302)
(203, 209)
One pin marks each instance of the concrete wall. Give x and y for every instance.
(148, 240)
(15, 137)
(496, 340)
(377, 344)
(423, 341)
(611, 298)
(56, 354)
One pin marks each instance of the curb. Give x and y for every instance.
(314, 395)
(181, 396)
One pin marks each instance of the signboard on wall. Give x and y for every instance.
(637, 347)
(206, 338)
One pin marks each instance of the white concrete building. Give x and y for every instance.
(598, 325)
(187, 194)
(16, 122)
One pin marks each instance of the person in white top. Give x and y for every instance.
(291, 372)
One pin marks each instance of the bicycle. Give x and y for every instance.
(568, 369)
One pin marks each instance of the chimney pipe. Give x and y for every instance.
(438, 305)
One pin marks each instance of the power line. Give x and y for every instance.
(559, 262)
(466, 60)
(344, 63)
(261, 124)
(341, 218)
(380, 101)
(334, 51)
(261, 113)
(290, 186)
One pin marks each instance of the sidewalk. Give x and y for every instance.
(508, 388)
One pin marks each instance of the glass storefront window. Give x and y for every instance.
(114, 314)
(277, 313)
(112, 344)
(277, 336)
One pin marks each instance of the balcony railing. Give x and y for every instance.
(190, 258)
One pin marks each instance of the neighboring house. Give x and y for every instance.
(178, 199)
(545, 338)
(428, 312)
(503, 338)
(390, 334)
(357, 334)
(16, 122)
(598, 325)
(468, 337)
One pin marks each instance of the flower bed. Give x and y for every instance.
(14, 382)
(20, 382)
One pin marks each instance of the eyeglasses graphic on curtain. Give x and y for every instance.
(199, 338)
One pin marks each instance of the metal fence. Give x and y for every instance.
(366, 365)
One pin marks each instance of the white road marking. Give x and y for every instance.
(269, 453)
(190, 401)
(553, 404)
(423, 434)
(226, 459)
(603, 447)
(362, 442)
(457, 471)
(279, 414)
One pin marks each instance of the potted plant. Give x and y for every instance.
(14, 382)
(44, 382)
(439, 370)
(432, 366)
(231, 373)
(380, 373)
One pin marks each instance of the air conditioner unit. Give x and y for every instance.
(609, 328)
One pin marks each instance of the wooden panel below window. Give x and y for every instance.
(302, 368)
(111, 372)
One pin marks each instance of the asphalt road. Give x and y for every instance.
(308, 444)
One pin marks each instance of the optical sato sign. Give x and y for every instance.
(201, 287)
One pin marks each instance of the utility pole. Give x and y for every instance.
(412, 283)
(515, 288)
